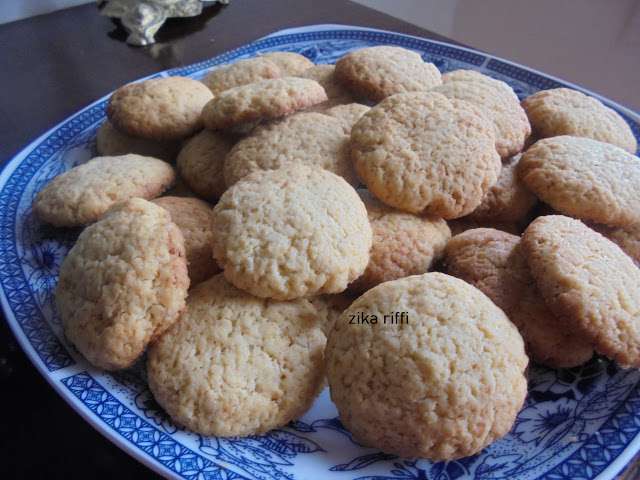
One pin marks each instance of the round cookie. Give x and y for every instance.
(441, 386)
(588, 279)
(84, 193)
(424, 153)
(290, 63)
(193, 218)
(508, 200)
(160, 109)
(627, 238)
(293, 232)
(110, 142)
(266, 99)
(378, 72)
(122, 284)
(241, 72)
(237, 365)
(584, 178)
(403, 244)
(563, 111)
(492, 261)
(324, 75)
(308, 138)
(200, 163)
(348, 114)
(498, 102)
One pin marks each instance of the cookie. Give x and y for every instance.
(378, 72)
(193, 218)
(324, 75)
(84, 193)
(424, 153)
(122, 284)
(309, 138)
(110, 142)
(266, 99)
(584, 178)
(237, 365)
(293, 232)
(348, 114)
(627, 238)
(403, 244)
(509, 200)
(563, 111)
(162, 109)
(499, 103)
(493, 262)
(330, 307)
(240, 73)
(290, 63)
(590, 281)
(442, 385)
(200, 163)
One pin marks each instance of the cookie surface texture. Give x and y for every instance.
(292, 64)
(110, 142)
(240, 73)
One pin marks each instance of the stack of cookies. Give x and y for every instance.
(296, 236)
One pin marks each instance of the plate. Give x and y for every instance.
(579, 423)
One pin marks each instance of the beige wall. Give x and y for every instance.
(594, 43)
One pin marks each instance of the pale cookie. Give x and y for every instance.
(266, 99)
(308, 138)
(499, 103)
(122, 284)
(627, 238)
(330, 307)
(588, 279)
(84, 193)
(110, 142)
(493, 262)
(509, 200)
(159, 109)
(584, 178)
(200, 163)
(237, 365)
(424, 153)
(378, 72)
(348, 114)
(324, 75)
(293, 232)
(563, 111)
(240, 73)
(442, 385)
(292, 64)
(403, 244)
(193, 218)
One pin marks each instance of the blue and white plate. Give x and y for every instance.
(580, 423)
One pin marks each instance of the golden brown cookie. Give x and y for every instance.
(499, 103)
(509, 200)
(324, 75)
(493, 262)
(588, 279)
(378, 72)
(290, 63)
(160, 109)
(308, 138)
(122, 284)
(266, 99)
(563, 111)
(442, 385)
(84, 193)
(193, 218)
(403, 244)
(110, 142)
(348, 114)
(241, 72)
(584, 178)
(200, 163)
(627, 238)
(293, 232)
(424, 153)
(237, 365)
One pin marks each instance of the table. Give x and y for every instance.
(51, 66)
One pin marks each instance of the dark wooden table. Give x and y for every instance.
(51, 66)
